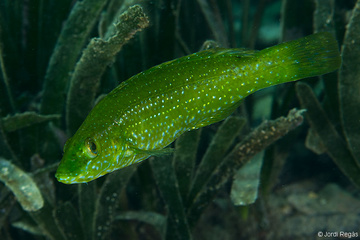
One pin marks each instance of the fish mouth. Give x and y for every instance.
(68, 173)
(75, 178)
(71, 178)
(68, 179)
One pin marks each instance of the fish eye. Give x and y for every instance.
(91, 147)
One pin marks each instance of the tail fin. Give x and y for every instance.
(310, 56)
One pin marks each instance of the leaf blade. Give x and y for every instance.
(335, 145)
(349, 87)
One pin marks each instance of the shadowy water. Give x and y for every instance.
(58, 58)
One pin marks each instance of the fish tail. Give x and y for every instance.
(310, 56)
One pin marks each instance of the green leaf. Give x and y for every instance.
(28, 227)
(324, 22)
(76, 30)
(165, 177)
(335, 145)
(87, 200)
(45, 221)
(314, 143)
(3, 70)
(98, 55)
(214, 22)
(107, 201)
(26, 119)
(349, 87)
(184, 159)
(67, 218)
(29, 196)
(246, 182)
(219, 145)
(324, 16)
(254, 142)
(22, 185)
(152, 218)
(292, 18)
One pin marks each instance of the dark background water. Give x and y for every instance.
(298, 187)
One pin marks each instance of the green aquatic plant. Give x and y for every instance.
(151, 109)
(342, 149)
(45, 218)
(48, 51)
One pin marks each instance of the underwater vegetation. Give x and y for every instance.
(59, 58)
(150, 110)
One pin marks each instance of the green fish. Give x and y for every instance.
(146, 113)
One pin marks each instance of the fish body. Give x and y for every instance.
(150, 110)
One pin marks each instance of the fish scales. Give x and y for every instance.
(183, 101)
(150, 110)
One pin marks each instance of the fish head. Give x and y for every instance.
(88, 156)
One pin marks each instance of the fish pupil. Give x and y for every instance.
(92, 149)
